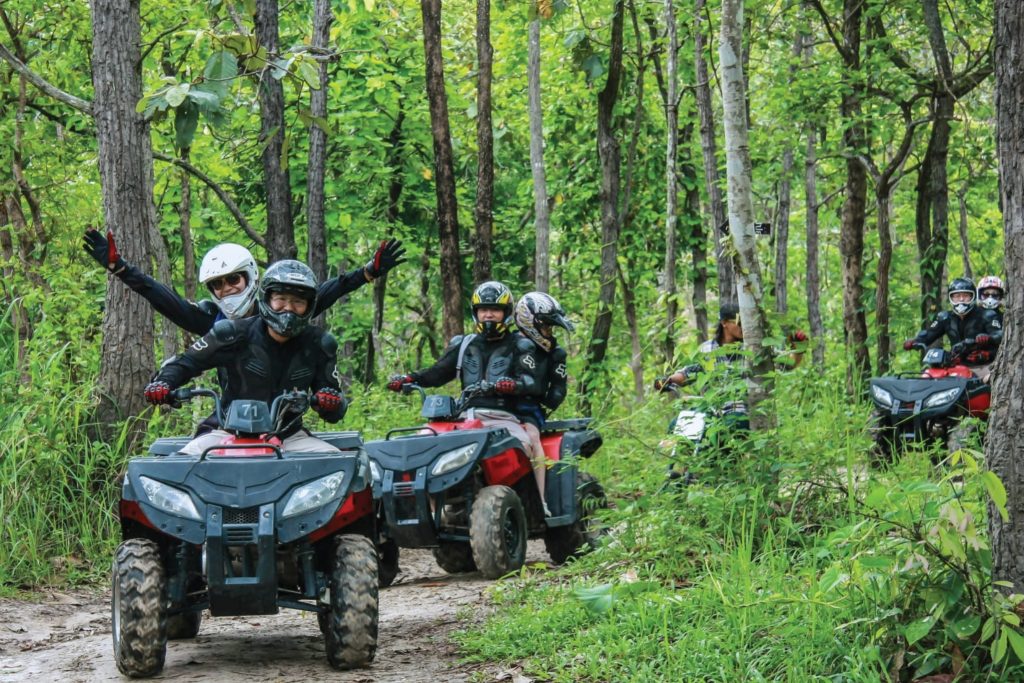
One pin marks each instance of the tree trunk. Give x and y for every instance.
(444, 172)
(741, 215)
(882, 206)
(965, 245)
(698, 243)
(1004, 444)
(483, 212)
(316, 169)
(126, 175)
(280, 230)
(188, 247)
(636, 359)
(542, 218)
(671, 186)
(782, 232)
(608, 152)
(812, 270)
(709, 149)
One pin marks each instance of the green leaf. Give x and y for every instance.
(593, 67)
(597, 600)
(874, 562)
(310, 74)
(997, 492)
(916, 630)
(1016, 642)
(988, 630)
(966, 626)
(999, 647)
(204, 98)
(186, 119)
(176, 94)
(832, 578)
(221, 66)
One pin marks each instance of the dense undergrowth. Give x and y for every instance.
(796, 562)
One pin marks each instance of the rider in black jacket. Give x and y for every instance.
(264, 356)
(499, 364)
(220, 266)
(974, 333)
(536, 315)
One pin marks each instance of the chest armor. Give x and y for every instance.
(487, 364)
(254, 372)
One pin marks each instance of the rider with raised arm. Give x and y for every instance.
(230, 274)
(264, 356)
(974, 333)
(497, 366)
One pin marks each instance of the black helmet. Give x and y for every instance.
(538, 308)
(492, 295)
(962, 284)
(291, 277)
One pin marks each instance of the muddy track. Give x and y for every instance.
(66, 636)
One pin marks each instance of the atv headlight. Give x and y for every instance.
(314, 494)
(881, 396)
(941, 397)
(169, 499)
(453, 460)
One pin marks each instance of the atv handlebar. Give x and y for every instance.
(299, 401)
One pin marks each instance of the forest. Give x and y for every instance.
(818, 171)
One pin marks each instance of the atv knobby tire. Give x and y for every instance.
(455, 557)
(387, 560)
(182, 626)
(497, 531)
(139, 616)
(564, 542)
(351, 626)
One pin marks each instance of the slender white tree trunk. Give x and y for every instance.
(542, 220)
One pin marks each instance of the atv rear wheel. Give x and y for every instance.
(387, 560)
(139, 616)
(497, 531)
(182, 626)
(351, 628)
(455, 557)
(564, 542)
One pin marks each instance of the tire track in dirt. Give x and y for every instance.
(66, 636)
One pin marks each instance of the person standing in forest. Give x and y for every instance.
(498, 365)
(230, 274)
(974, 333)
(264, 356)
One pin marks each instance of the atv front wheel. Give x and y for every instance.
(455, 557)
(138, 613)
(885, 448)
(563, 542)
(351, 626)
(387, 559)
(497, 531)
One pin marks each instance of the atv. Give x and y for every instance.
(468, 491)
(245, 528)
(928, 406)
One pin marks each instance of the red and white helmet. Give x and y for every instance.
(987, 298)
(225, 259)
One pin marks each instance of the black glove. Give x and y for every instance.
(327, 401)
(103, 249)
(158, 393)
(388, 255)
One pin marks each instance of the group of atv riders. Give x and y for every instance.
(257, 333)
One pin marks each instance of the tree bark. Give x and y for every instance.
(277, 181)
(483, 212)
(188, 247)
(812, 269)
(709, 150)
(444, 172)
(542, 218)
(1004, 443)
(965, 245)
(609, 155)
(671, 186)
(782, 233)
(126, 174)
(316, 251)
(741, 215)
(636, 358)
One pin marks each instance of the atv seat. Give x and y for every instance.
(169, 445)
(566, 425)
(343, 441)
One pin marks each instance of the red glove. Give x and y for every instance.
(982, 340)
(397, 381)
(158, 393)
(909, 344)
(505, 385)
(798, 336)
(978, 357)
(327, 400)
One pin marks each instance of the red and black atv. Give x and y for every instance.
(468, 491)
(245, 528)
(927, 406)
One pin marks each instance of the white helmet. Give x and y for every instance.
(991, 282)
(225, 259)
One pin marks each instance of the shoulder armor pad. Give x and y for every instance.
(457, 339)
(559, 355)
(524, 345)
(224, 331)
(943, 315)
(329, 344)
(208, 306)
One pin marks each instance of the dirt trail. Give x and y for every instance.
(66, 637)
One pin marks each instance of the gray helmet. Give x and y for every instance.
(291, 277)
(538, 309)
(962, 284)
